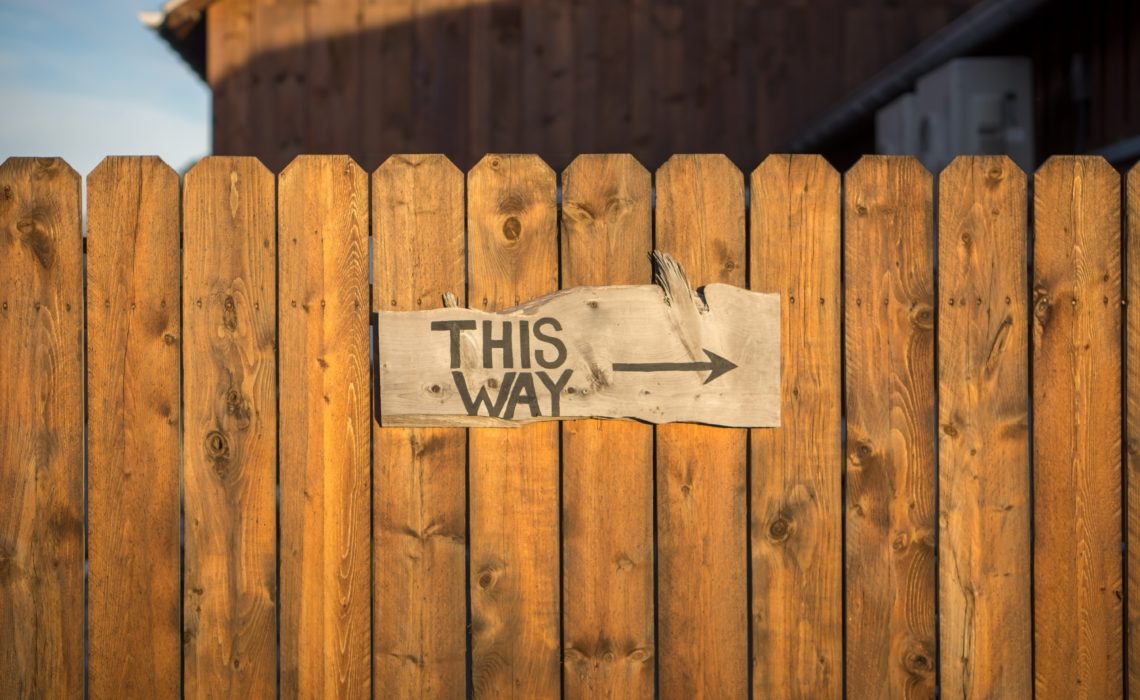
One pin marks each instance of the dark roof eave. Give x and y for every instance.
(182, 25)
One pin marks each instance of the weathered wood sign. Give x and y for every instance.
(659, 353)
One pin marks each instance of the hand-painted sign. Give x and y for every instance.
(658, 353)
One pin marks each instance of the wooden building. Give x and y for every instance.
(651, 77)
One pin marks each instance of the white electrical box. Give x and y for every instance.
(968, 106)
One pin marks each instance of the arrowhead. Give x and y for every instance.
(719, 365)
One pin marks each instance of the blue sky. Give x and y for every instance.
(83, 79)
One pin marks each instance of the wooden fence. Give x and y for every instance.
(944, 506)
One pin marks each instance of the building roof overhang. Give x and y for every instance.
(182, 24)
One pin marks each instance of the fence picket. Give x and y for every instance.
(133, 456)
(702, 527)
(983, 416)
(512, 258)
(230, 422)
(607, 466)
(1078, 593)
(605, 558)
(326, 423)
(888, 304)
(1132, 323)
(41, 430)
(420, 489)
(797, 469)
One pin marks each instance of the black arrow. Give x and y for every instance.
(716, 363)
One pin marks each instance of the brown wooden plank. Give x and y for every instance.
(888, 305)
(1077, 603)
(133, 452)
(513, 257)
(548, 110)
(326, 423)
(334, 121)
(440, 79)
(479, 76)
(41, 430)
(797, 469)
(387, 37)
(726, 115)
(1132, 324)
(773, 74)
(614, 129)
(641, 86)
(587, 78)
(504, 99)
(230, 429)
(420, 596)
(667, 109)
(983, 415)
(607, 466)
(279, 77)
(229, 37)
(702, 528)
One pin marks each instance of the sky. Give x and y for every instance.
(84, 79)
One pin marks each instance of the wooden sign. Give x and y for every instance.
(658, 353)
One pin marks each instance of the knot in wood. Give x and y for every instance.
(779, 529)
(1042, 307)
(918, 662)
(512, 229)
(218, 452)
(238, 407)
(922, 317)
(37, 240)
(229, 314)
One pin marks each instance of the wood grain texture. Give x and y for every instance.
(654, 352)
(326, 423)
(1078, 635)
(41, 430)
(496, 75)
(548, 114)
(386, 70)
(230, 429)
(702, 528)
(230, 46)
(279, 75)
(888, 304)
(440, 31)
(334, 122)
(983, 416)
(512, 256)
(797, 470)
(607, 466)
(419, 494)
(1132, 427)
(133, 417)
